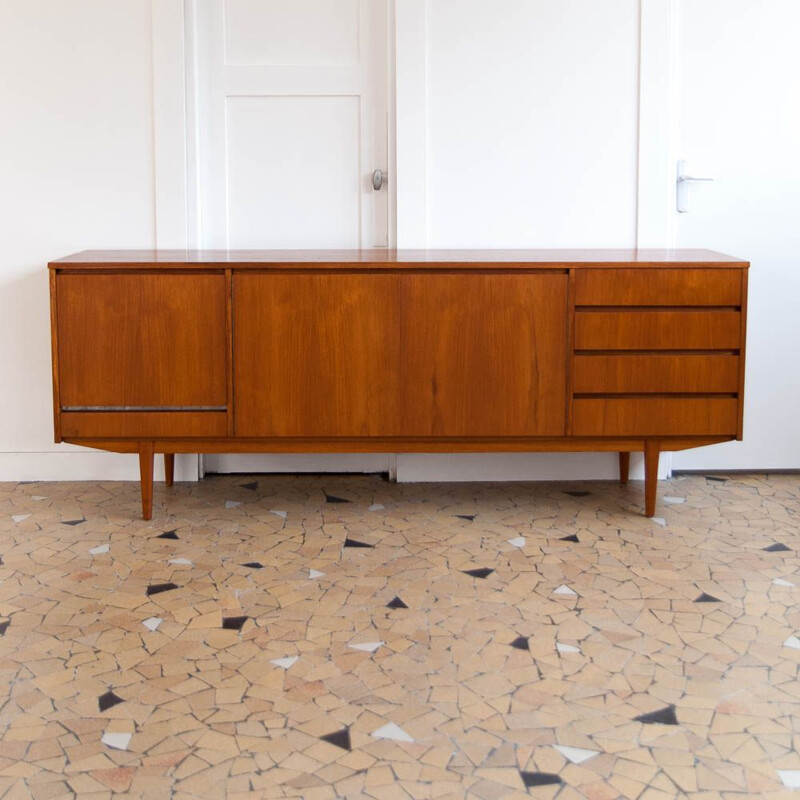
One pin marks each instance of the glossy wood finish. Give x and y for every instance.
(637, 373)
(483, 355)
(657, 330)
(141, 340)
(316, 355)
(655, 416)
(150, 424)
(398, 351)
(146, 455)
(658, 287)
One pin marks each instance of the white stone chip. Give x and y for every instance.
(277, 513)
(659, 521)
(284, 663)
(674, 499)
(233, 503)
(152, 623)
(782, 582)
(38, 497)
(376, 507)
(567, 648)
(518, 542)
(792, 642)
(119, 741)
(367, 647)
(181, 561)
(564, 589)
(19, 517)
(577, 755)
(315, 573)
(393, 732)
(100, 549)
(790, 778)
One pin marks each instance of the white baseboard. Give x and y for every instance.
(95, 465)
(87, 465)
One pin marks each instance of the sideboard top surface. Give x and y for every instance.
(392, 259)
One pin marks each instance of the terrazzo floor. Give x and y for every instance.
(346, 637)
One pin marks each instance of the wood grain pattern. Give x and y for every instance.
(656, 373)
(651, 454)
(658, 287)
(137, 424)
(394, 259)
(316, 355)
(655, 416)
(141, 340)
(146, 454)
(742, 349)
(54, 356)
(657, 330)
(483, 355)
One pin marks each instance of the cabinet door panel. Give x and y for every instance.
(316, 355)
(484, 355)
(142, 340)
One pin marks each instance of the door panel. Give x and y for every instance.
(484, 355)
(316, 355)
(142, 340)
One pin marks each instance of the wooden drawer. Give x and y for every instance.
(657, 330)
(658, 287)
(655, 416)
(642, 374)
(143, 424)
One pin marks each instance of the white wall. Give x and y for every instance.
(76, 172)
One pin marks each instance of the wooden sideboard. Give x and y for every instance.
(398, 351)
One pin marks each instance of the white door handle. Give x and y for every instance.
(682, 194)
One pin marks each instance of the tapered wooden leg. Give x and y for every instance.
(651, 453)
(146, 472)
(169, 468)
(624, 467)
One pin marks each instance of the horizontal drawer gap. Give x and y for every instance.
(601, 309)
(144, 408)
(656, 352)
(652, 395)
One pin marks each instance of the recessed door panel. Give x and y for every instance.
(484, 355)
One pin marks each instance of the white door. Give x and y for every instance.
(292, 121)
(738, 122)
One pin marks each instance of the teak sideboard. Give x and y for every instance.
(398, 351)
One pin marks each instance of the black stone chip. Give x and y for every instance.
(157, 588)
(339, 738)
(168, 534)
(254, 565)
(778, 547)
(716, 479)
(396, 603)
(251, 486)
(707, 598)
(108, 700)
(482, 572)
(355, 543)
(578, 493)
(329, 498)
(573, 537)
(234, 623)
(664, 716)
(4, 626)
(73, 521)
(521, 643)
(467, 517)
(539, 778)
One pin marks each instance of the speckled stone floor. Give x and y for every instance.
(329, 636)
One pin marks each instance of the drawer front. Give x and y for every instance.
(143, 424)
(658, 287)
(657, 330)
(656, 416)
(655, 374)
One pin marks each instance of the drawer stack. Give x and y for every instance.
(657, 352)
